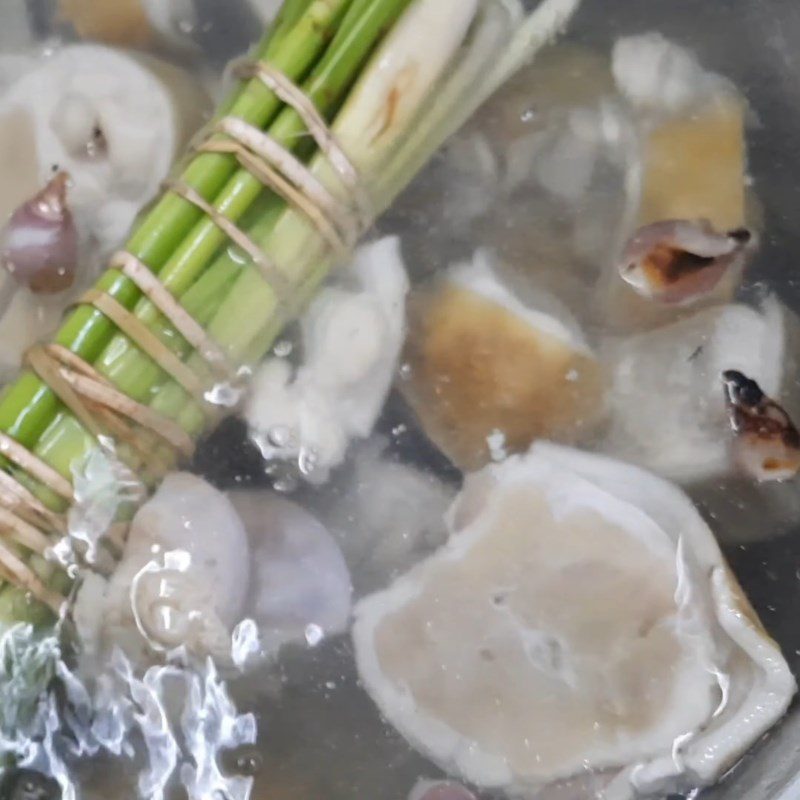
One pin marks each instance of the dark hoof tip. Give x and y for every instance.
(741, 235)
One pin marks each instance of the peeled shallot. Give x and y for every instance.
(677, 262)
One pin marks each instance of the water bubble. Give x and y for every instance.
(496, 442)
(528, 115)
(280, 436)
(283, 348)
(169, 625)
(285, 484)
(314, 634)
(49, 49)
(238, 256)
(224, 394)
(405, 372)
(25, 784)
(245, 760)
(245, 643)
(248, 763)
(307, 461)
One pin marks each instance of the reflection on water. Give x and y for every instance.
(169, 726)
(303, 724)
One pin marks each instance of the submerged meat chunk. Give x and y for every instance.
(490, 371)
(581, 618)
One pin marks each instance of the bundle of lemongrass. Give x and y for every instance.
(393, 79)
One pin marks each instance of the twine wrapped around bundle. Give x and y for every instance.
(144, 363)
(107, 413)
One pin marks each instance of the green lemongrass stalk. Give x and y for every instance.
(502, 40)
(376, 117)
(301, 35)
(245, 321)
(27, 406)
(292, 242)
(121, 361)
(375, 125)
(493, 60)
(354, 41)
(334, 29)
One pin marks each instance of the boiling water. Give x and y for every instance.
(320, 736)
